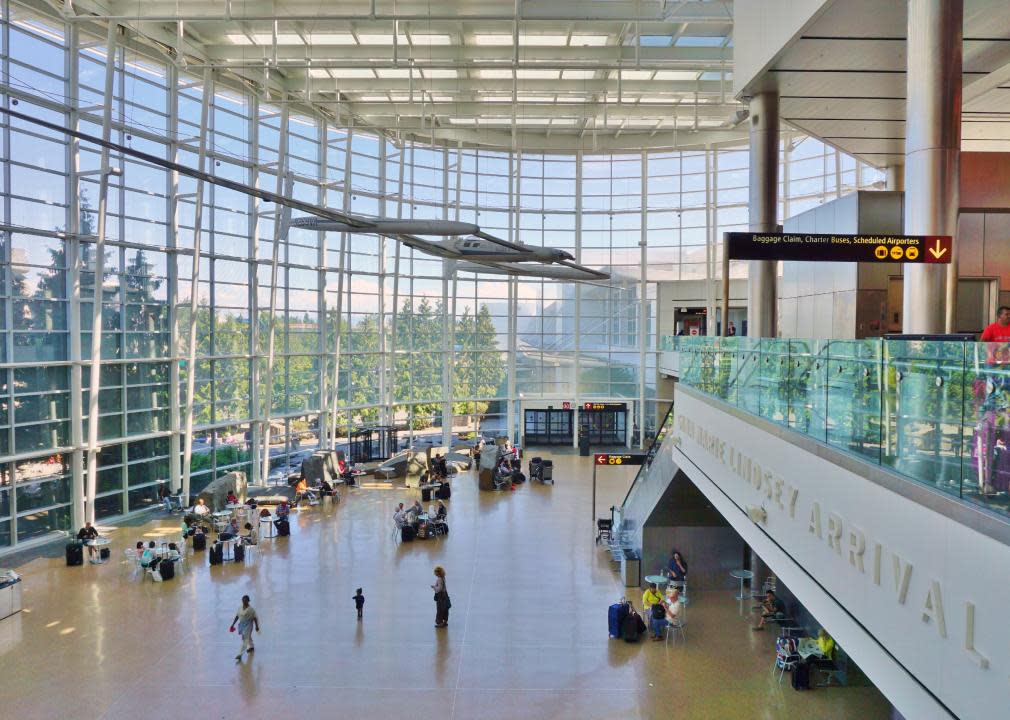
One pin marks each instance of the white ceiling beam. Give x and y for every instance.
(503, 86)
(323, 55)
(540, 110)
(977, 88)
(695, 11)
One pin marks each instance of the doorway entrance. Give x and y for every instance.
(604, 423)
(548, 427)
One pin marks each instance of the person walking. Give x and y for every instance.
(442, 603)
(359, 603)
(246, 619)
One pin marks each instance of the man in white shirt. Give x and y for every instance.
(246, 619)
(399, 516)
(201, 508)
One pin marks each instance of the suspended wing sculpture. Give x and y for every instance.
(467, 241)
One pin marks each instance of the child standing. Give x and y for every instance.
(359, 602)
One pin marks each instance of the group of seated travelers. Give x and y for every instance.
(151, 560)
(404, 517)
(439, 468)
(661, 611)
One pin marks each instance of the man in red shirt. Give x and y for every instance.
(998, 332)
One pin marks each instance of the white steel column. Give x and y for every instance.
(95, 377)
(172, 242)
(643, 302)
(253, 296)
(763, 205)
(341, 263)
(322, 424)
(283, 185)
(396, 290)
(383, 244)
(448, 317)
(577, 362)
(73, 257)
(194, 289)
(932, 156)
(513, 302)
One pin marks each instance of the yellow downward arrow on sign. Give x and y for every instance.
(939, 251)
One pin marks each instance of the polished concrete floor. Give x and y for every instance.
(526, 639)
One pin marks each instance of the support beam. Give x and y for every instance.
(341, 270)
(932, 156)
(764, 175)
(285, 184)
(95, 376)
(194, 291)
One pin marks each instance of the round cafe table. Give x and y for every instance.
(742, 575)
(657, 579)
(99, 543)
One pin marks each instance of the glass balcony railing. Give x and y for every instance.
(937, 412)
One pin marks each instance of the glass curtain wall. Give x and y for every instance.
(422, 347)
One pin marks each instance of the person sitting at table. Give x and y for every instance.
(166, 497)
(87, 533)
(771, 608)
(231, 530)
(282, 513)
(173, 553)
(650, 597)
(149, 556)
(677, 569)
(249, 537)
(139, 550)
(441, 512)
(231, 499)
(325, 488)
(200, 509)
(825, 644)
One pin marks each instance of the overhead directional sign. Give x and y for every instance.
(839, 248)
(612, 459)
(597, 407)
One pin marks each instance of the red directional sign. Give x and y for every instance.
(938, 250)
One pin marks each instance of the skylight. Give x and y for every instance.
(526, 74)
(350, 72)
(392, 73)
(433, 73)
(676, 75)
(700, 41)
(589, 40)
(578, 74)
(632, 74)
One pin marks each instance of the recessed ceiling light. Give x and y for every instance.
(392, 72)
(632, 74)
(432, 73)
(428, 39)
(676, 75)
(491, 73)
(352, 73)
(488, 39)
(319, 73)
(526, 74)
(375, 39)
(332, 39)
(588, 40)
(578, 74)
(541, 40)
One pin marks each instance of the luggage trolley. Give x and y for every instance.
(542, 470)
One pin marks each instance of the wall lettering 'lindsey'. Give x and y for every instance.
(830, 527)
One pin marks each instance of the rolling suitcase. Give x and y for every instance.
(632, 627)
(167, 569)
(75, 554)
(801, 676)
(200, 542)
(216, 556)
(283, 528)
(239, 553)
(104, 553)
(407, 533)
(443, 492)
(615, 618)
(425, 494)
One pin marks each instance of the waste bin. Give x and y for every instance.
(631, 568)
(10, 593)
(584, 445)
(548, 472)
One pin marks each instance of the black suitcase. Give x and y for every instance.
(200, 542)
(216, 555)
(239, 553)
(801, 676)
(443, 492)
(104, 553)
(407, 533)
(283, 528)
(167, 569)
(632, 627)
(75, 554)
(425, 494)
